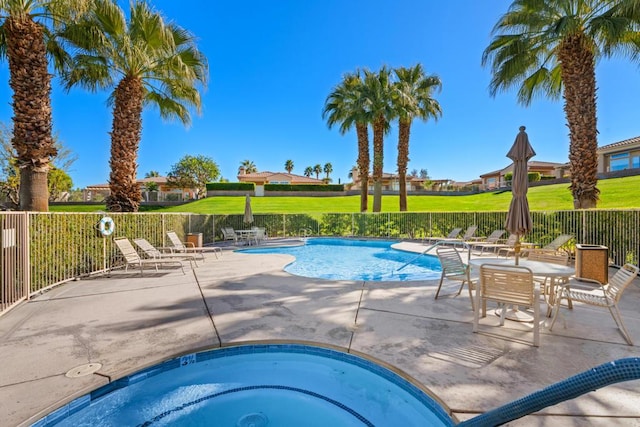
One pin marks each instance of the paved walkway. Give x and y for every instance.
(126, 322)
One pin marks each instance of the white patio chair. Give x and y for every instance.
(454, 269)
(507, 285)
(599, 295)
(153, 252)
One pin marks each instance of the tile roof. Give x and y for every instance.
(293, 177)
(620, 144)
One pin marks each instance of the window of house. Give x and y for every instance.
(618, 162)
(279, 182)
(635, 160)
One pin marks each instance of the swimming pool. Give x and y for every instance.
(257, 385)
(354, 259)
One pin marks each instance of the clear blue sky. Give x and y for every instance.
(272, 65)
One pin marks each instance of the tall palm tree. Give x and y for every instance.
(328, 168)
(27, 39)
(288, 166)
(146, 60)
(248, 166)
(379, 112)
(317, 169)
(308, 171)
(551, 48)
(412, 98)
(345, 106)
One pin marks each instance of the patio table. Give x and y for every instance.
(247, 235)
(545, 269)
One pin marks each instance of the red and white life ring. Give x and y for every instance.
(106, 226)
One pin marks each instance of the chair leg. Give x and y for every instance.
(439, 285)
(617, 317)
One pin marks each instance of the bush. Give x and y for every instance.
(303, 187)
(230, 186)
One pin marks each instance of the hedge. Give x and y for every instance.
(303, 187)
(230, 186)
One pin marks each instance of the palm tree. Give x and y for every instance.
(328, 168)
(248, 166)
(317, 169)
(345, 105)
(308, 171)
(146, 60)
(152, 174)
(379, 112)
(288, 166)
(551, 48)
(412, 98)
(27, 38)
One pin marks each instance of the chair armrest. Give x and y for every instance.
(189, 244)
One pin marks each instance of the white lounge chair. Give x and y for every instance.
(492, 242)
(179, 247)
(453, 234)
(131, 257)
(229, 233)
(156, 253)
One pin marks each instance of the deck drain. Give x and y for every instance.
(253, 420)
(83, 370)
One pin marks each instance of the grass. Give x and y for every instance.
(616, 193)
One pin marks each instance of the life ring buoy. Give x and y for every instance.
(106, 226)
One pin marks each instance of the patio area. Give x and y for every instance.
(127, 322)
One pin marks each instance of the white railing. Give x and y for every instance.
(41, 250)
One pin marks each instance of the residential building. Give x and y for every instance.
(619, 155)
(496, 179)
(391, 182)
(153, 189)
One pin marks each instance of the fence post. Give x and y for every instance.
(26, 259)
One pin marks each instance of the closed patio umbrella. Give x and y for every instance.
(518, 218)
(248, 215)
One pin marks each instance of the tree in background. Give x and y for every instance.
(317, 169)
(27, 38)
(412, 97)
(288, 166)
(58, 180)
(194, 172)
(328, 168)
(248, 166)
(551, 48)
(424, 174)
(308, 171)
(346, 105)
(152, 174)
(379, 112)
(146, 60)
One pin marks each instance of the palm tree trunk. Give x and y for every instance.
(378, 160)
(31, 84)
(404, 129)
(578, 78)
(125, 138)
(363, 164)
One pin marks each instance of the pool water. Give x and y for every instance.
(257, 385)
(350, 259)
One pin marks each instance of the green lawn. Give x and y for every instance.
(617, 193)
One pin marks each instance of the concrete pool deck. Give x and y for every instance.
(126, 322)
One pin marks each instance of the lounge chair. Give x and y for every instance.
(492, 242)
(156, 253)
(454, 269)
(452, 235)
(179, 247)
(507, 285)
(600, 295)
(507, 248)
(131, 257)
(229, 233)
(558, 243)
(467, 236)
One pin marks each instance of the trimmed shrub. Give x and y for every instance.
(230, 186)
(303, 187)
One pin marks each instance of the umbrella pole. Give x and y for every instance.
(516, 249)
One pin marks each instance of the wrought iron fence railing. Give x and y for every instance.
(41, 250)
